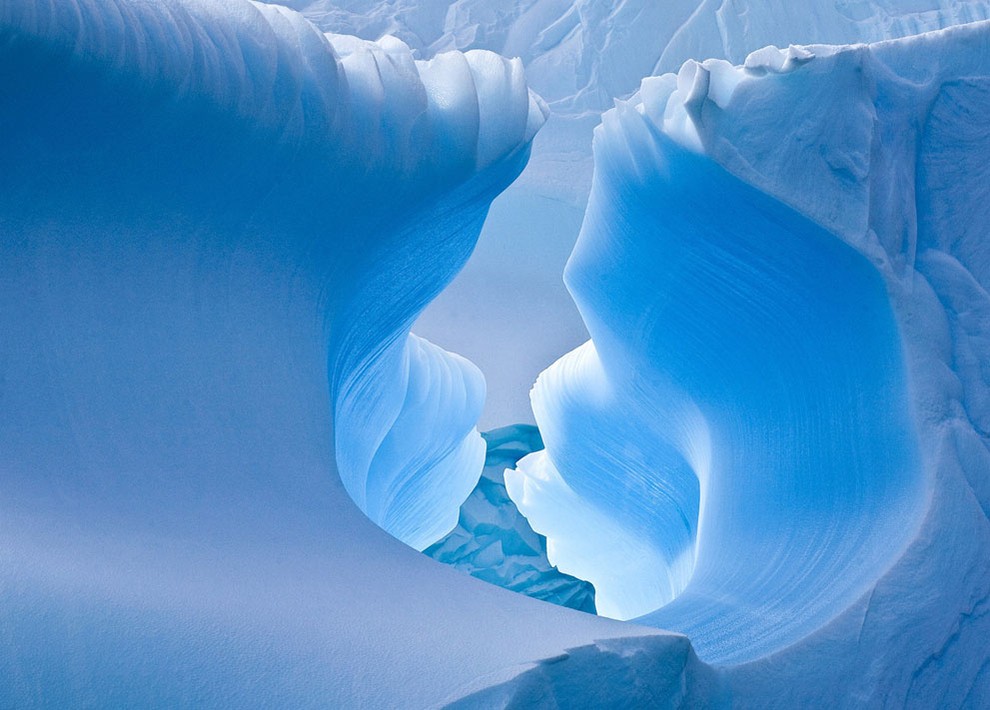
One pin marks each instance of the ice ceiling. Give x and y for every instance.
(219, 225)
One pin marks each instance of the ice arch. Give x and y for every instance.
(170, 531)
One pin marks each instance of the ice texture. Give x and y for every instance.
(494, 542)
(783, 268)
(580, 55)
(217, 224)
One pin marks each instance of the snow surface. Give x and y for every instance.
(579, 56)
(787, 381)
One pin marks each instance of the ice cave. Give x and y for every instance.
(495, 354)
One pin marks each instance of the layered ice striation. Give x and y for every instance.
(783, 268)
(579, 55)
(407, 450)
(217, 224)
(164, 99)
(494, 542)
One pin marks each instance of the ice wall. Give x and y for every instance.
(216, 225)
(580, 56)
(379, 123)
(782, 269)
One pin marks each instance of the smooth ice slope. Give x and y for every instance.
(216, 224)
(784, 270)
(494, 542)
(580, 55)
(451, 118)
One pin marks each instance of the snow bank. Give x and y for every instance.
(783, 268)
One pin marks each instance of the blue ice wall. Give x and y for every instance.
(756, 356)
(780, 268)
(252, 134)
(764, 355)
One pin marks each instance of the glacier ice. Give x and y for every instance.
(579, 55)
(493, 542)
(218, 224)
(782, 382)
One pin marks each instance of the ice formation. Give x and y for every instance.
(333, 125)
(580, 55)
(494, 542)
(785, 392)
(218, 224)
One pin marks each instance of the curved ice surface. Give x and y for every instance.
(628, 532)
(764, 365)
(431, 455)
(361, 159)
(217, 224)
(405, 410)
(783, 370)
